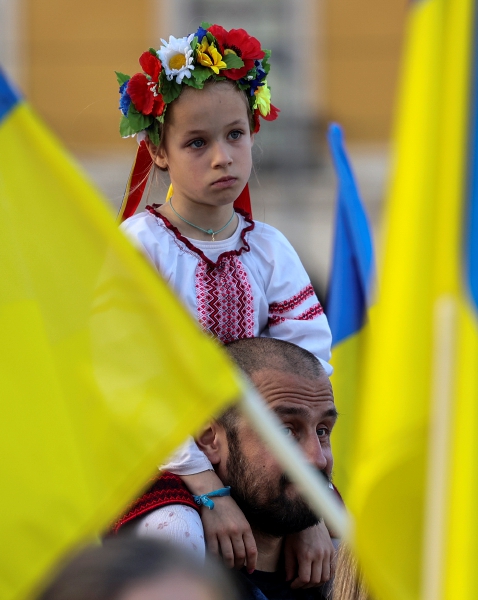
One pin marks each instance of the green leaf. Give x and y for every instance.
(153, 52)
(170, 90)
(242, 86)
(233, 61)
(138, 121)
(265, 61)
(153, 133)
(125, 127)
(194, 43)
(193, 83)
(210, 38)
(201, 73)
(205, 25)
(122, 78)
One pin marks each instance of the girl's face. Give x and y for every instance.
(207, 147)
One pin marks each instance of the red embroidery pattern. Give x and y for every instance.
(282, 307)
(311, 313)
(166, 489)
(224, 299)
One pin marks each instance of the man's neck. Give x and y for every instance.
(268, 551)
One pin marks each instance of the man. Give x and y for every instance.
(296, 388)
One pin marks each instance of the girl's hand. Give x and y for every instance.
(228, 534)
(226, 529)
(309, 557)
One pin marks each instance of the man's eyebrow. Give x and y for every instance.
(301, 411)
(332, 412)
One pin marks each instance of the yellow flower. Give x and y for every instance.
(263, 99)
(208, 56)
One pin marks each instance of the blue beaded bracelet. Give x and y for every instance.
(205, 499)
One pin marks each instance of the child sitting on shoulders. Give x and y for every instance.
(196, 109)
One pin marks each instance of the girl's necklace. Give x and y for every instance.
(208, 231)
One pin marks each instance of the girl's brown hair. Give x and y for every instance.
(348, 581)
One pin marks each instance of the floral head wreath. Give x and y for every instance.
(211, 53)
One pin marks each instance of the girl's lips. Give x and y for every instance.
(224, 182)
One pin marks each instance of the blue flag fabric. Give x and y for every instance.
(8, 96)
(471, 210)
(353, 263)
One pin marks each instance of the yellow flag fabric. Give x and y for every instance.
(346, 360)
(414, 488)
(102, 372)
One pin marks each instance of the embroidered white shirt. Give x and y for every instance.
(249, 285)
(252, 284)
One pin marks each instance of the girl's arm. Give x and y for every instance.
(309, 557)
(227, 531)
(294, 313)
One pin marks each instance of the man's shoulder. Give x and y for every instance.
(262, 585)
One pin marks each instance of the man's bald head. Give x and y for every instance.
(256, 354)
(253, 355)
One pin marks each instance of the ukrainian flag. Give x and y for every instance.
(349, 296)
(415, 484)
(102, 373)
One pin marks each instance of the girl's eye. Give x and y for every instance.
(322, 432)
(197, 144)
(288, 431)
(236, 134)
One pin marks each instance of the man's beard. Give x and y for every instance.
(274, 514)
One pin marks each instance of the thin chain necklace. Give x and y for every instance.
(208, 231)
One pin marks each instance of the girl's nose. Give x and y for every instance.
(221, 155)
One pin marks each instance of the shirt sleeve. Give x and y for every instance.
(141, 229)
(187, 460)
(295, 313)
(175, 523)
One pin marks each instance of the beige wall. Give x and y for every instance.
(363, 41)
(72, 51)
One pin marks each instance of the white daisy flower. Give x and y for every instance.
(176, 56)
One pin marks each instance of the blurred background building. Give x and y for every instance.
(332, 60)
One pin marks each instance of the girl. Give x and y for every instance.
(196, 108)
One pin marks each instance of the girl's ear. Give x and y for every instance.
(210, 443)
(157, 154)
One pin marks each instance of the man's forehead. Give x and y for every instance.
(290, 389)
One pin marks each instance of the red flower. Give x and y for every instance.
(272, 116)
(151, 65)
(141, 92)
(257, 123)
(274, 113)
(244, 45)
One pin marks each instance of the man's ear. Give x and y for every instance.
(158, 154)
(210, 443)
